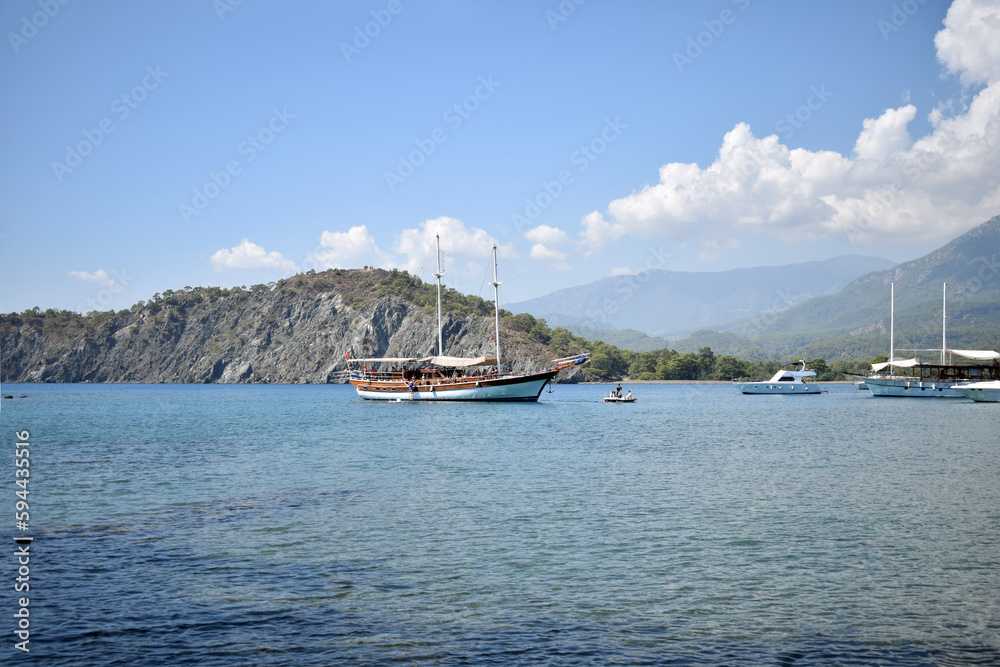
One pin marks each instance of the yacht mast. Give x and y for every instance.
(496, 303)
(438, 275)
(944, 319)
(892, 323)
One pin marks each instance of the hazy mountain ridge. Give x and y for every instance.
(969, 264)
(667, 303)
(854, 323)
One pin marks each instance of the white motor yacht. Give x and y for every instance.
(982, 392)
(785, 382)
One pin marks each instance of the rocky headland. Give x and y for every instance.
(293, 331)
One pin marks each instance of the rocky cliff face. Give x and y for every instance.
(268, 335)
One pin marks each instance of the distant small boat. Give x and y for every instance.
(614, 398)
(981, 392)
(784, 382)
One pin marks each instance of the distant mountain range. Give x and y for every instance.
(853, 323)
(674, 303)
(858, 316)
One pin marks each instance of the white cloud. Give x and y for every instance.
(546, 254)
(622, 271)
(539, 251)
(545, 234)
(465, 250)
(891, 187)
(885, 135)
(457, 243)
(99, 277)
(249, 255)
(597, 231)
(547, 239)
(712, 249)
(351, 249)
(967, 45)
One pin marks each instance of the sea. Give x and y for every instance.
(299, 525)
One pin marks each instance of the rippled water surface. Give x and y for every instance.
(224, 525)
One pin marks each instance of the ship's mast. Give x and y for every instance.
(496, 303)
(892, 323)
(944, 319)
(438, 275)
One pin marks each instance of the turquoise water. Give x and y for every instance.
(250, 524)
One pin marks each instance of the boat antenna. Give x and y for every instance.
(437, 238)
(496, 302)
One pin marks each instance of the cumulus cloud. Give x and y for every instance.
(545, 234)
(597, 231)
(99, 277)
(351, 249)
(885, 135)
(546, 247)
(967, 45)
(546, 254)
(890, 187)
(470, 246)
(248, 255)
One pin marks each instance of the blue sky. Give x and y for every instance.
(152, 146)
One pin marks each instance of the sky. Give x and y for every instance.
(159, 145)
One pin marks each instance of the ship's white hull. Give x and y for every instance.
(517, 388)
(910, 388)
(981, 392)
(786, 388)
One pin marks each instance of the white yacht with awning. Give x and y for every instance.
(916, 378)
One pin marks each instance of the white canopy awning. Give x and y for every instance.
(978, 355)
(437, 361)
(461, 361)
(898, 363)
